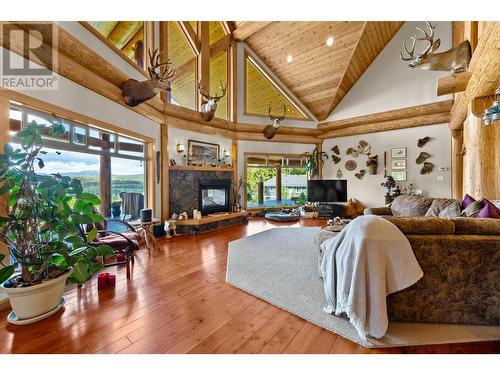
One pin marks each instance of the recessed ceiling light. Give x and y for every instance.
(289, 58)
(329, 41)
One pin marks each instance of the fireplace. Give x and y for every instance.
(214, 196)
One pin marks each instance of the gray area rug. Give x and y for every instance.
(280, 267)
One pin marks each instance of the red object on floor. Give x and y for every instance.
(111, 281)
(120, 257)
(102, 281)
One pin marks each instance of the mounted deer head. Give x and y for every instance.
(271, 130)
(135, 92)
(209, 105)
(456, 59)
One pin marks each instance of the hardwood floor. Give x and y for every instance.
(178, 302)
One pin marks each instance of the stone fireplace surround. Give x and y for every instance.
(184, 188)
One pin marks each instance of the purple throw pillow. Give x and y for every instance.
(467, 201)
(489, 210)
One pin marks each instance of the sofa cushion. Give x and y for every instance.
(489, 210)
(410, 205)
(422, 225)
(467, 201)
(438, 205)
(468, 225)
(473, 209)
(452, 210)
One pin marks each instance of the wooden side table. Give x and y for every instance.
(146, 232)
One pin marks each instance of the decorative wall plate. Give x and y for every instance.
(350, 165)
(336, 159)
(360, 174)
(422, 157)
(352, 152)
(335, 150)
(427, 168)
(422, 141)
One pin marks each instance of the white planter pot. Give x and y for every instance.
(36, 300)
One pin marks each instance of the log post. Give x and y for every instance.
(105, 180)
(165, 170)
(278, 183)
(457, 164)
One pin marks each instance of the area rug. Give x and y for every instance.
(280, 267)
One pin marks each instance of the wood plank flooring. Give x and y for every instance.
(178, 302)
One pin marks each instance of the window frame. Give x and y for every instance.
(266, 155)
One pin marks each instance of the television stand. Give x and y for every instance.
(330, 210)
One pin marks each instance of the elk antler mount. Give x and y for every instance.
(209, 105)
(271, 130)
(455, 59)
(135, 92)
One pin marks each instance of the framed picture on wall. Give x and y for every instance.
(399, 175)
(203, 153)
(398, 164)
(399, 152)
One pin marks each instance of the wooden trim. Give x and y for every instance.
(70, 115)
(457, 165)
(165, 178)
(4, 138)
(191, 36)
(438, 118)
(457, 82)
(289, 130)
(150, 187)
(200, 168)
(484, 67)
(165, 96)
(228, 27)
(198, 126)
(221, 45)
(233, 79)
(234, 163)
(204, 58)
(396, 114)
(249, 28)
(250, 56)
(119, 52)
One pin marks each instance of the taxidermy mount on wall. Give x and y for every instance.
(209, 105)
(135, 92)
(271, 130)
(455, 59)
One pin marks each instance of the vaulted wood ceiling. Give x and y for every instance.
(319, 75)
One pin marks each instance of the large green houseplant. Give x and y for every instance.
(313, 161)
(45, 212)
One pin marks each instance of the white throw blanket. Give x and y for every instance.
(364, 263)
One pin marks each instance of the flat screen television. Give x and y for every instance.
(327, 191)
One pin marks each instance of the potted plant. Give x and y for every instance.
(116, 208)
(314, 160)
(42, 228)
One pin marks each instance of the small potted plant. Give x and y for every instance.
(116, 208)
(42, 229)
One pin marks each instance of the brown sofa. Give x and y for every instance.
(460, 258)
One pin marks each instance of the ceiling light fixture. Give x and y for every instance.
(329, 41)
(289, 58)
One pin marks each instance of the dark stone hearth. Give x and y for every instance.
(183, 188)
(212, 226)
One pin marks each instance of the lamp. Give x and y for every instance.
(493, 113)
(180, 147)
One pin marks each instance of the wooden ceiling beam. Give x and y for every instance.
(248, 28)
(228, 27)
(191, 36)
(452, 84)
(396, 114)
(411, 122)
